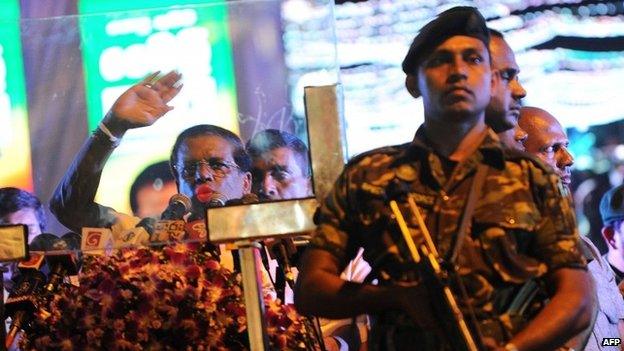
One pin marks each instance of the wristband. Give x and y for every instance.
(105, 130)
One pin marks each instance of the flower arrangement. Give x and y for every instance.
(177, 297)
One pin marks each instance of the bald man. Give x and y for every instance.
(547, 140)
(503, 110)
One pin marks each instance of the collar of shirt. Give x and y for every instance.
(490, 152)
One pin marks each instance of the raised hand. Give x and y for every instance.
(143, 103)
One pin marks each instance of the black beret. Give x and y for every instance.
(612, 205)
(460, 20)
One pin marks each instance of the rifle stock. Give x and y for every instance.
(435, 279)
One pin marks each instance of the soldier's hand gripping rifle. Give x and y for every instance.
(436, 279)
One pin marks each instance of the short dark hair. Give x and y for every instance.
(15, 199)
(270, 139)
(159, 171)
(241, 158)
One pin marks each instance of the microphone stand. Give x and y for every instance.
(252, 292)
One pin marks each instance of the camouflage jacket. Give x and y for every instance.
(522, 226)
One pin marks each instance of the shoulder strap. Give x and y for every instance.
(475, 190)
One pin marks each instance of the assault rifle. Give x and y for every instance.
(436, 279)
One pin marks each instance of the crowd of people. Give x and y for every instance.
(485, 177)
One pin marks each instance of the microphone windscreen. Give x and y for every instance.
(183, 199)
(43, 242)
(73, 240)
(179, 206)
(217, 200)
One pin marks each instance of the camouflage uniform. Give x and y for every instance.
(522, 228)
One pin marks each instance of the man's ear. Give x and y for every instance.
(608, 234)
(411, 83)
(246, 183)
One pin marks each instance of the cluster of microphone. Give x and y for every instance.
(177, 223)
(148, 231)
(51, 261)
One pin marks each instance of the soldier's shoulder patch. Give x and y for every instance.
(377, 153)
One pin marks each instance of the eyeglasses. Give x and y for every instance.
(219, 168)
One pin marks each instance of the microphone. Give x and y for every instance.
(281, 250)
(139, 235)
(62, 262)
(179, 206)
(72, 239)
(148, 223)
(43, 242)
(22, 303)
(217, 200)
(95, 240)
(36, 262)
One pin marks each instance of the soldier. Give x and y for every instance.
(548, 141)
(522, 227)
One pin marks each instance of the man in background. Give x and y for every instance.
(612, 213)
(503, 111)
(18, 206)
(280, 166)
(548, 141)
(281, 170)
